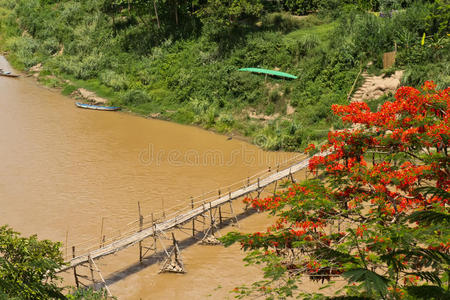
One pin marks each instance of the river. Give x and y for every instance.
(65, 170)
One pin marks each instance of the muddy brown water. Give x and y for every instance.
(64, 169)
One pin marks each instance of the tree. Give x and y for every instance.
(377, 214)
(219, 17)
(28, 267)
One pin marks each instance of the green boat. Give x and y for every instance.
(269, 72)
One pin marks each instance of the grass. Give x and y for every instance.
(194, 79)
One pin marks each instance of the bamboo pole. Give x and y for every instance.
(211, 219)
(101, 277)
(193, 219)
(275, 187)
(163, 211)
(77, 283)
(154, 231)
(91, 268)
(141, 223)
(232, 213)
(67, 238)
(101, 232)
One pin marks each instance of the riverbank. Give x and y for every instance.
(84, 168)
(187, 73)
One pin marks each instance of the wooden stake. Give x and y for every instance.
(275, 187)
(164, 213)
(101, 232)
(235, 217)
(193, 219)
(258, 182)
(141, 224)
(292, 176)
(91, 268)
(220, 215)
(175, 246)
(211, 218)
(101, 277)
(67, 238)
(154, 231)
(77, 283)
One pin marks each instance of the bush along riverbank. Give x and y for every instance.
(179, 60)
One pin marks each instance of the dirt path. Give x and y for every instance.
(377, 86)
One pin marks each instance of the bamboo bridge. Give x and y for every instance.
(151, 227)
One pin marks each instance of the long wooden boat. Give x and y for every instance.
(269, 72)
(96, 107)
(8, 74)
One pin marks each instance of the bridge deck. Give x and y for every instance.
(182, 218)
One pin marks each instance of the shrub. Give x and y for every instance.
(24, 48)
(113, 80)
(135, 97)
(28, 267)
(279, 21)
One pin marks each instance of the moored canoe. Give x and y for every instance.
(8, 74)
(96, 107)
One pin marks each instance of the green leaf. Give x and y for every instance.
(374, 283)
(231, 238)
(338, 256)
(428, 292)
(428, 276)
(432, 191)
(428, 217)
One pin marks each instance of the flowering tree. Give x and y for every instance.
(376, 214)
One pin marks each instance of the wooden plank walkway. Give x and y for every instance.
(182, 218)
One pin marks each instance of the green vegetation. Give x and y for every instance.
(375, 223)
(179, 59)
(28, 269)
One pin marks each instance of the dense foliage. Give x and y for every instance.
(28, 270)
(27, 267)
(377, 214)
(178, 59)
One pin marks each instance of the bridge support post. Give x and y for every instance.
(77, 283)
(232, 213)
(211, 219)
(91, 268)
(173, 263)
(154, 232)
(220, 212)
(193, 220)
(102, 238)
(275, 187)
(92, 264)
(291, 176)
(210, 238)
(141, 224)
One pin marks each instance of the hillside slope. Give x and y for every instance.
(186, 69)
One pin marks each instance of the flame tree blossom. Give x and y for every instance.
(377, 213)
